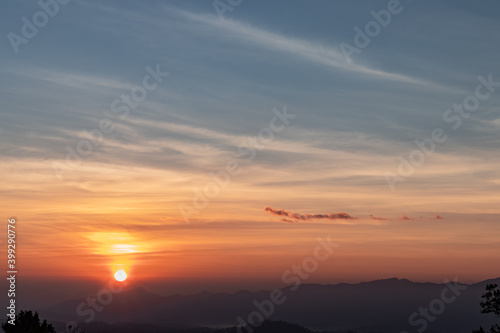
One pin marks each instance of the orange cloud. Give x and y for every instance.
(306, 217)
(378, 218)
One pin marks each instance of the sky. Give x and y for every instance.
(226, 139)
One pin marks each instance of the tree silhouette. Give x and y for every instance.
(491, 304)
(74, 329)
(27, 322)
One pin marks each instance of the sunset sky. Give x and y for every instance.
(349, 122)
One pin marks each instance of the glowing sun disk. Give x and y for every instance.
(120, 275)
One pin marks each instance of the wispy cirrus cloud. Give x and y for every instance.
(314, 52)
(69, 79)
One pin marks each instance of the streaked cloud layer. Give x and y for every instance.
(353, 122)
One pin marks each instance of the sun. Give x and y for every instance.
(120, 275)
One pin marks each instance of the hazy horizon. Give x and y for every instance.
(40, 294)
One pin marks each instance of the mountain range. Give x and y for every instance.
(389, 305)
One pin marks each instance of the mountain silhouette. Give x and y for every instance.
(271, 327)
(381, 305)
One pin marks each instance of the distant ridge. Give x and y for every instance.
(381, 305)
(271, 327)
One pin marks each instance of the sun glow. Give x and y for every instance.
(120, 275)
(116, 243)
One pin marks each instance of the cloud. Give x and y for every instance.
(378, 218)
(435, 217)
(79, 81)
(313, 52)
(307, 217)
(405, 218)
